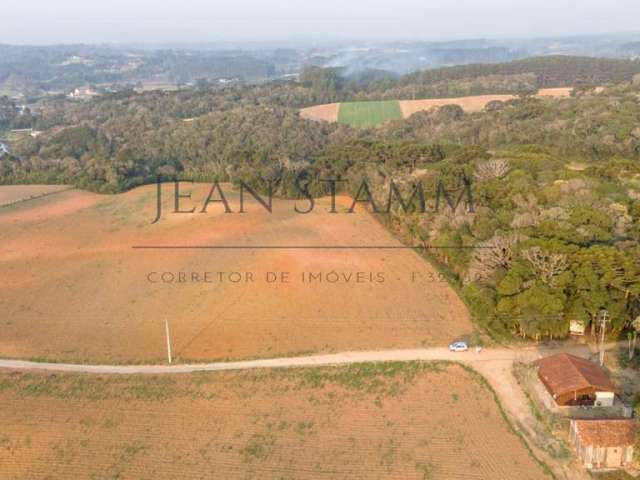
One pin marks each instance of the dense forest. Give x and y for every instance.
(554, 235)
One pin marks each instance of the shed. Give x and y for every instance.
(573, 380)
(576, 327)
(604, 443)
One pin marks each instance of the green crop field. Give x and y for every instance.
(369, 114)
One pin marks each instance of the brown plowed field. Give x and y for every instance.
(561, 92)
(73, 289)
(411, 421)
(474, 103)
(327, 113)
(469, 104)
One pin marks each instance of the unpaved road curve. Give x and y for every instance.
(285, 362)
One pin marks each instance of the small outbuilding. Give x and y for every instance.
(604, 443)
(577, 328)
(574, 381)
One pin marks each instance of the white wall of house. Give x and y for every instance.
(605, 399)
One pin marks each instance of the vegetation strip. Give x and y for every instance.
(35, 197)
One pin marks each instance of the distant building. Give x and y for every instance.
(76, 60)
(573, 380)
(83, 93)
(604, 443)
(26, 131)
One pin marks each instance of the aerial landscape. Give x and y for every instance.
(277, 240)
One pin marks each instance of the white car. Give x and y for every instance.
(459, 347)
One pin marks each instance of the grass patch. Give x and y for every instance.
(369, 114)
(379, 378)
(123, 457)
(548, 420)
(382, 379)
(622, 353)
(258, 448)
(90, 387)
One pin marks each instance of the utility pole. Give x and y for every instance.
(166, 329)
(604, 318)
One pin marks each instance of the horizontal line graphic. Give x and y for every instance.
(303, 247)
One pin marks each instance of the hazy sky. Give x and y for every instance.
(123, 21)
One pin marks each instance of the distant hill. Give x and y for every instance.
(511, 78)
(631, 48)
(33, 69)
(550, 71)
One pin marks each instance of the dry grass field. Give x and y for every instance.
(73, 289)
(559, 92)
(385, 421)
(333, 112)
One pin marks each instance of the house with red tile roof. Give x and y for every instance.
(604, 443)
(573, 380)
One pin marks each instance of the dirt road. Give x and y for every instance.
(470, 357)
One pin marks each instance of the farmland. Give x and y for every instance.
(370, 114)
(262, 342)
(413, 421)
(468, 104)
(90, 297)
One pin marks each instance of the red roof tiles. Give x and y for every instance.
(564, 373)
(618, 432)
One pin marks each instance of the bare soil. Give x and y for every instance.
(326, 113)
(73, 289)
(474, 103)
(388, 421)
(560, 92)
(469, 104)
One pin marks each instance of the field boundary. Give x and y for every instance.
(35, 197)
